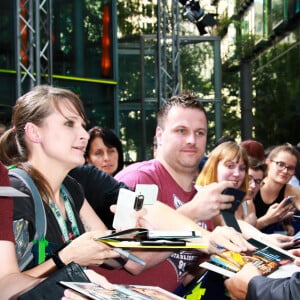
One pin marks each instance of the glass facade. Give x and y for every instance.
(277, 92)
(269, 38)
(83, 37)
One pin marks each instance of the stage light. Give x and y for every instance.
(207, 21)
(193, 11)
(195, 14)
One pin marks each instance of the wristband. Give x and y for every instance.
(58, 262)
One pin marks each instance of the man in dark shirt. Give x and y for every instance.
(91, 178)
(249, 284)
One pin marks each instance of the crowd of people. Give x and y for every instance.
(73, 170)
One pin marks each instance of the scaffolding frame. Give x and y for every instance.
(33, 51)
(168, 57)
(168, 52)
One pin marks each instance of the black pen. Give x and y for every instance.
(163, 243)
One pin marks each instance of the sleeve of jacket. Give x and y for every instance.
(274, 289)
(100, 189)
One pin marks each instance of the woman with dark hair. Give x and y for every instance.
(104, 150)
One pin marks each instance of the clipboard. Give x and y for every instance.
(144, 239)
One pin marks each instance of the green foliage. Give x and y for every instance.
(133, 14)
(193, 60)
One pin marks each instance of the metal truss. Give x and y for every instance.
(168, 56)
(33, 54)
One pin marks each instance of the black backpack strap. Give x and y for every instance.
(40, 215)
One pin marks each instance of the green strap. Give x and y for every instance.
(42, 245)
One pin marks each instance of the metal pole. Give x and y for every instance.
(37, 42)
(246, 99)
(218, 86)
(18, 48)
(143, 112)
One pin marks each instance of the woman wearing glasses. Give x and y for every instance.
(256, 174)
(273, 208)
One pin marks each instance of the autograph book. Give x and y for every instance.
(271, 261)
(153, 239)
(130, 292)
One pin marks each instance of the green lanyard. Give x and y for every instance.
(66, 235)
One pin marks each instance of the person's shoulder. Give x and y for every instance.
(138, 167)
(292, 190)
(85, 169)
(294, 181)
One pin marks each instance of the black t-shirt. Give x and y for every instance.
(24, 209)
(261, 207)
(100, 189)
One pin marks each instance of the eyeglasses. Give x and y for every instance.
(256, 181)
(281, 166)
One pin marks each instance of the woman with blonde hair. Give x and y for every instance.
(228, 161)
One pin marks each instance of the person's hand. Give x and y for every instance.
(208, 201)
(237, 285)
(93, 277)
(279, 240)
(296, 252)
(99, 279)
(85, 251)
(278, 212)
(228, 238)
(72, 295)
(289, 229)
(138, 215)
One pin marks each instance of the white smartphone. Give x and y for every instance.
(149, 191)
(128, 202)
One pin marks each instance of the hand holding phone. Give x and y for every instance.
(128, 202)
(228, 214)
(149, 191)
(238, 198)
(288, 200)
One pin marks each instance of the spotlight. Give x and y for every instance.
(207, 20)
(193, 11)
(195, 14)
(183, 2)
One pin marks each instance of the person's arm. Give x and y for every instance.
(162, 217)
(208, 202)
(277, 212)
(274, 289)
(12, 281)
(249, 284)
(100, 189)
(279, 240)
(89, 218)
(84, 250)
(246, 211)
(291, 190)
